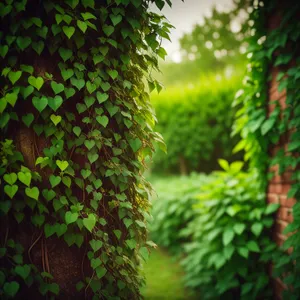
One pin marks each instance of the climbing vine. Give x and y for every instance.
(76, 125)
(263, 128)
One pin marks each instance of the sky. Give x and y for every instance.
(183, 15)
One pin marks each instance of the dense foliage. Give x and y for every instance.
(171, 208)
(262, 128)
(195, 122)
(76, 125)
(230, 245)
(219, 226)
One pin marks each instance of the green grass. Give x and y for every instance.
(163, 278)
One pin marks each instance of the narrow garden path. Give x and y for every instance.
(164, 278)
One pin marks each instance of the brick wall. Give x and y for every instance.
(279, 185)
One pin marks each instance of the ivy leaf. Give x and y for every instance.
(25, 178)
(36, 82)
(71, 217)
(32, 192)
(68, 31)
(91, 87)
(38, 47)
(65, 54)
(144, 253)
(103, 120)
(11, 288)
(77, 130)
(82, 26)
(55, 102)
(257, 228)
(228, 236)
(40, 103)
(115, 19)
(57, 87)
(11, 98)
(108, 30)
(78, 83)
(101, 97)
(89, 222)
(23, 271)
(253, 246)
(3, 51)
(55, 119)
(96, 245)
(28, 119)
(100, 271)
(135, 144)
(267, 126)
(23, 42)
(10, 178)
(54, 180)
(14, 76)
(10, 190)
(62, 164)
(67, 74)
(69, 92)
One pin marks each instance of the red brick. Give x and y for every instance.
(287, 202)
(284, 214)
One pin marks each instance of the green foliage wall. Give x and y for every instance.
(76, 124)
(277, 47)
(195, 122)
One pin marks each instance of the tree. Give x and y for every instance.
(76, 125)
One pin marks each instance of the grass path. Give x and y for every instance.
(163, 278)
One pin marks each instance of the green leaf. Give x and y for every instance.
(65, 54)
(115, 19)
(77, 130)
(267, 125)
(69, 92)
(144, 253)
(91, 87)
(10, 178)
(55, 102)
(224, 164)
(103, 120)
(38, 47)
(67, 74)
(96, 245)
(36, 82)
(102, 97)
(28, 119)
(11, 98)
(244, 252)
(11, 288)
(100, 271)
(228, 236)
(3, 51)
(135, 144)
(25, 178)
(239, 228)
(10, 190)
(23, 42)
(78, 83)
(32, 192)
(54, 180)
(113, 74)
(89, 222)
(82, 26)
(118, 233)
(40, 103)
(257, 228)
(253, 246)
(92, 157)
(14, 76)
(95, 262)
(271, 208)
(108, 30)
(55, 119)
(68, 31)
(23, 271)
(27, 91)
(71, 217)
(57, 87)
(62, 164)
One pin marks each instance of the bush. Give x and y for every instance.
(229, 249)
(172, 208)
(195, 122)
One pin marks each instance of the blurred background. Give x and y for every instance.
(201, 71)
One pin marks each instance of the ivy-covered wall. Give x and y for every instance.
(76, 126)
(269, 123)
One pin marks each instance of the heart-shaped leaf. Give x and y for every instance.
(91, 87)
(135, 144)
(32, 192)
(89, 222)
(14, 76)
(36, 82)
(48, 194)
(11, 288)
(65, 54)
(95, 262)
(23, 271)
(55, 119)
(115, 19)
(77, 130)
(28, 119)
(82, 26)
(112, 110)
(105, 86)
(25, 178)
(62, 164)
(54, 180)
(55, 102)
(102, 97)
(93, 157)
(79, 83)
(68, 31)
(108, 29)
(113, 74)
(40, 103)
(49, 230)
(27, 91)
(96, 245)
(23, 42)
(57, 87)
(3, 51)
(71, 217)
(38, 47)
(67, 73)
(10, 190)
(103, 120)
(10, 178)
(69, 92)
(11, 98)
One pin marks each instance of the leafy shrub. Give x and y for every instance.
(230, 246)
(195, 122)
(171, 209)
